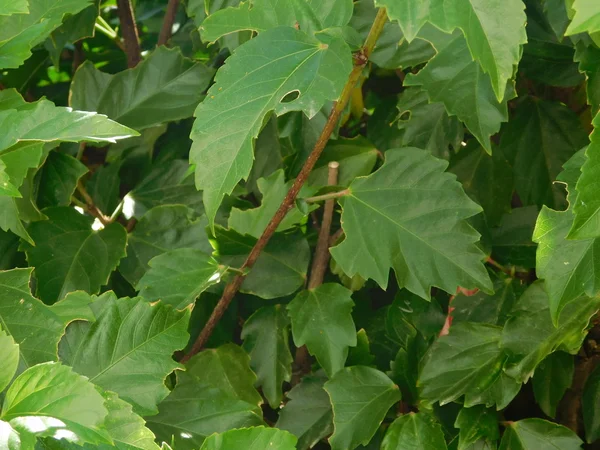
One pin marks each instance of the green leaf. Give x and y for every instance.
(476, 423)
(9, 219)
(194, 410)
(322, 320)
(551, 380)
(63, 402)
(9, 354)
(10, 439)
(43, 121)
(530, 335)
(495, 46)
(228, 369)
(19, 33)
(538, 434)
(273, 189)
(589, 402)
(254, 82)
(266, 339)
(58, 180)
(387, 219)
(128, 349)
(511, 240)
(8, 7)
(280, 269)
(256, 438)
(467, 360)
(414, 431)
(452, 75)
(307, 414)
(537, 141)
(586, 18)
(487, 179)
(70, 255)
(178, 277)
(164, 87)
(260, 15)
(32, 325)
(161, 229)
(361, 397)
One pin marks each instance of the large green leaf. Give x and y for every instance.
(33, 325)
(551, 380)
(475, 424)
(255, 81)
(8, 7)
(589, 406)
(415, 432)
(280, 269)
(586, 18)
(70, 255)
(63, 402)
(21, 32)
(9, 355)
(530, 335)
(538, 434)
(195, 410)
(307, 414)
(261, 15)
(160, 230)
(322, 320)
(58, 180)
(43, 121)
(361, 397)
(256, 438)
(164, 87)
(128, 349)
(537, 141)
(266, 339)
(454, 79)
(467, 360)
(410, 216)
(179, 276)
(586, 207)
(495, 45)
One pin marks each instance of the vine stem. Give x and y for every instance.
(130, 33)
(91, 206)
(327, 197)
(288, 202)
(167, 26)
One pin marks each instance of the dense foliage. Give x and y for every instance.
(278, 225)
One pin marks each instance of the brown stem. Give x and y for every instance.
(129, 32)
(235, 284)
(91, 207)
(167, 26)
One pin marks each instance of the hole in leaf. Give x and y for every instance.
(290, 96)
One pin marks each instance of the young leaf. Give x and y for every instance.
(58, 180)
(589, 406)
(454, 79)
(532, 333)
(414, 431)
(538, 434)
(128, 349)
(307, 414)
(194, 410)
(551, 380)
(32, 325)
(257, 438)
(70, 255)
(322, 320)
(255, 81)
(178, 277)
(281, 268)
(361, 397)
(476, 423)
(19, 33)
(161, 229)
(467, 360)
(586, 18)
(387, 219)
(162, 88)
(63, 401)
(9, 355)
(266, 339)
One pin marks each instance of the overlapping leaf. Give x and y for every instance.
(551, 380)
(534, 434)
(255, 81)
(586, 18)
(477, 424)
(58, 179)
(256, 438)
(410, 216)
(9, 354)
(415, 431)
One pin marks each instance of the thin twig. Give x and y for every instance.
(129, 32)
(167, 26)
(235, 284)
(330, 196)
(335, 236)
(91, 207)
